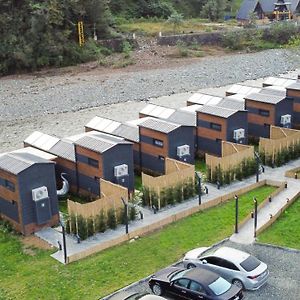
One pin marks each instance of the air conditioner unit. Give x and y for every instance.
(183, 150)
(238, 134)
(121, 170)
(286, 119)
(40, 193)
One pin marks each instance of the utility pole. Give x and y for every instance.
(236, 213)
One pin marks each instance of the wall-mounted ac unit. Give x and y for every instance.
(238, 134)
(286, 119)
(121, 170)
(183, 150)
(40, 193)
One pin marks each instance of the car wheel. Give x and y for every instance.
(157, 290)
(191, 266)
(238, 283)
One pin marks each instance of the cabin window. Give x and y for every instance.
(93, 162)
(9, 185)
(264, 112)
(161, 157)
(158, 143)
(215, 126)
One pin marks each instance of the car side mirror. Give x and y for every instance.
(171, 283)
(204, 261)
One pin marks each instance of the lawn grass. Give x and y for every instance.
(286, 230)
(200, 165)
(137, 182)
(23, 276)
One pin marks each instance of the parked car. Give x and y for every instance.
(135, 296)
(195, 283)
(238, 267)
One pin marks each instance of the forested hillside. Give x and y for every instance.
(36, 33)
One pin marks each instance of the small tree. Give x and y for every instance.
(82, 227)
(101, 222)
(213, 10)
(176, 20)
(111, 219)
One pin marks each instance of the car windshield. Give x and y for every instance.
(178, 275)
(220, 286)
(250, 264)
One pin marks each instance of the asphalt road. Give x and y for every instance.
(284, 267)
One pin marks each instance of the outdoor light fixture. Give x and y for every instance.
(64, 240)
(198, 175)
(126, 214)
(236, 213)
(255, 216)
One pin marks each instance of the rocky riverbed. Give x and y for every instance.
(62, 104)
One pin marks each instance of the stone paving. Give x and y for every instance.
(245, 235)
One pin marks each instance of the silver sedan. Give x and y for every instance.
(238, 267)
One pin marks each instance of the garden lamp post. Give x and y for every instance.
(255, 216)
(126, 214)
(64, 240)
(257, 158)
(236, 213)
(198, 175)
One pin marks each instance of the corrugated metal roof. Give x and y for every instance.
(99, 142)
(279, 81)
(157, 111)
(184, 118)
(129, 132)
(294, 86)
(237, 97)
(191, 108)
(243, 89)
(159, 125)
(217, 111)
(18, 162)
(41, 140)
(272, 99)
(35, 152)
(103, 124)
(232, 104)
(203, 99)
(64, 149)
(271, 90)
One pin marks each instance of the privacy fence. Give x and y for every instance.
(168, 220)
(175, 186)
(237, 162)
(282, 146)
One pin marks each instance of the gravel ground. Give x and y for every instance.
(284, 266)
(62, 104)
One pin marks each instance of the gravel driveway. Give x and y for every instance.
(284, 266)
(62, 104)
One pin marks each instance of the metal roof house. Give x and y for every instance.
(267, 8)
(278, 81)
(220, 123)
(266, 109)
(100, 155)
(28, 193)
(293, 93)
(64, 151)
(130, 132)
(160, 139)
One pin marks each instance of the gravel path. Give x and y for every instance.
(62, 104)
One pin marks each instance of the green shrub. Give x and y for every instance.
(121, 216)
(132, 213)
(82, 227)
(163, 198)
(111, 219)
(154, 198)
(177, 193)
(170, 196)
(101, 222)
(145, 196)
(127, 48)
(90, 227)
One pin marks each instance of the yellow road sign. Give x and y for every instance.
(80, 33)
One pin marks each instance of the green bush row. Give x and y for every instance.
(169, 196)
(88, 227)
(281, 157)
(245, 169)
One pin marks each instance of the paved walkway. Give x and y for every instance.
(52, 236)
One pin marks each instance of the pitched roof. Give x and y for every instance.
(158, 125)
(99, 142)
(278, 81)
(294, 86)
(128, 131)
(232, 103)
(247, 7)
(243, 89)
(16, 162)
(217, 111)
(202, 99)
(271, 99)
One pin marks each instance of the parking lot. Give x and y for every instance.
(284, 267)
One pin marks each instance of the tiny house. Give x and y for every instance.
(130, 132)
(278, 81)
(203, 99)
(216, 124)
(242, 90)
(100, 155)
(160, 139)
(265, 110)
(293, 93)
(28, 193)
(64, 151)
